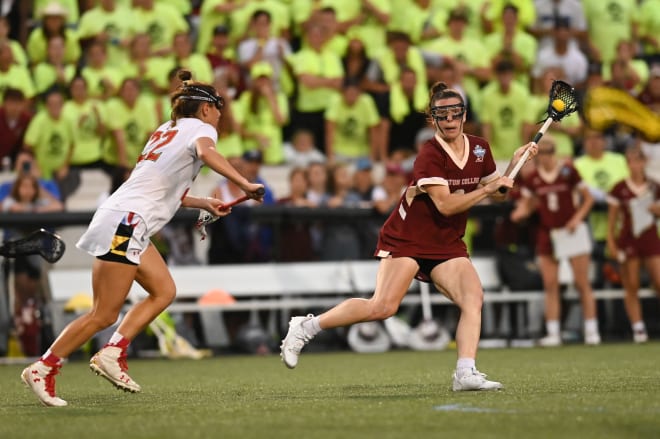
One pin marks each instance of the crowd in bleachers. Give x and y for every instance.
(316, 80)
(334, 90)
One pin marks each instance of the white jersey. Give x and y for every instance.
(164, 173)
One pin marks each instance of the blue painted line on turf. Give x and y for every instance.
(468, 409)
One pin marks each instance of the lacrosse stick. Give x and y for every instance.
(205, 217)
(562, 102)
(40, 242)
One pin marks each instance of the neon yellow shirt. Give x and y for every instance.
(262, 122)
(352, 125)
(608, 23)
(19, 78)
(649, 23)
(162, 22)
(85, 120)
(51, 141)
(601, 174)
(326, 64)
(94, 76)
(506, 113)
(137, 123)
(45, 75)
(114, 23)
(37, 46)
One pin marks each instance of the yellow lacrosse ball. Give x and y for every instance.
(558, 105)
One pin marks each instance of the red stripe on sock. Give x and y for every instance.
(123, 343)
(51, 360)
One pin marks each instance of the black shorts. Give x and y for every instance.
(119, 245)
(426, 266)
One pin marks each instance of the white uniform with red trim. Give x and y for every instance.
(153, 193)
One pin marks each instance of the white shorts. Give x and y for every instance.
(115, 235)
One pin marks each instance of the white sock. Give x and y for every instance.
(312, 326)
(116, 338)
(552, 327)
(591, 326)
(464, 366)
(639, 326)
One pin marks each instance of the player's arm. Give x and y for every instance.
(449, 203)
(613, 210)
(207, 153)
(517, 155)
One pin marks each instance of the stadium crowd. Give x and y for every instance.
(331, 89)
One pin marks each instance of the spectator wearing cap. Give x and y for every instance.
(562, 54)
(261, 112)
(107, 22)
(53, 23)
(70, 6)
(467, 54)
(351, 121)
(262, 45)
(300, 151)
(504, 111)
(512, 43)
(606, 28)
(161, 20)
(363, 180)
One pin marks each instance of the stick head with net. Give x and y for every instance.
(566, 94)
(40, 242)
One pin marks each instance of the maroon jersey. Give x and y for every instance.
(416, 228)
(647, 243)
(555, 191)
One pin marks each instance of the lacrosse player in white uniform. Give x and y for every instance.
(120, 231)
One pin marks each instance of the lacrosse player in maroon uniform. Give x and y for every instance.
(627, 201)
(422, 239)
(551, 190)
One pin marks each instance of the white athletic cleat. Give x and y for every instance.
(40, 378)
(640, 337)
(550, 341)
(473, 380)
(110, 363)
(592, 339)
(295, 340)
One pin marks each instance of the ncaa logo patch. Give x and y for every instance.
(479, 152)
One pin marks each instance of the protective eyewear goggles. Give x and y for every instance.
(456, 111)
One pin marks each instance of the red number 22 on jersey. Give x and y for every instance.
(157, 140)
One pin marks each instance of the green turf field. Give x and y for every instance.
(610, 391)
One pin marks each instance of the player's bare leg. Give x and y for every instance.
(111, 282)
(392, 282)
(549, 268)
(630, 279)
(580, 266)
(110, 361)
(458, 280)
